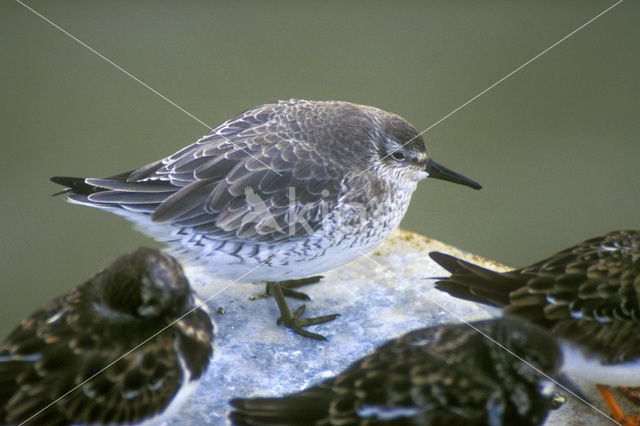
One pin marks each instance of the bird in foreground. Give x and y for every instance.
(587, 295)
(125, 347)
(452, 374)
(283, 191)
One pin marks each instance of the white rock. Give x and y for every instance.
(380, 296)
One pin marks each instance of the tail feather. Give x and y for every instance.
(306, 408)
(116, 192)
(473, 283)
(75, 185)
(123, 185)
(127, 198)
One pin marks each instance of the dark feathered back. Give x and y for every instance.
(588, 294)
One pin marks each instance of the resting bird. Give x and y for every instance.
(125, 347)
(444, 375)
(586, 295)
(283, 191)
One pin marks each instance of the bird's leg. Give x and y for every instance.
(611, 403)
(630, 421)
(631, 394)
(616, 412)
(293, 321)
(288, 285)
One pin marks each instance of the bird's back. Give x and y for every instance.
(588, 294)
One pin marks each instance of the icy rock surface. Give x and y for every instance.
(380, 296)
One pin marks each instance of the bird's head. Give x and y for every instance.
(146, 283)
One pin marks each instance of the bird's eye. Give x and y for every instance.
(534, 359)
(398, 156)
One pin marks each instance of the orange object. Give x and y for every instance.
(616, 412)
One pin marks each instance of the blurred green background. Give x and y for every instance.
(555, 146)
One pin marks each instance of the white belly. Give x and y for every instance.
(590, 369)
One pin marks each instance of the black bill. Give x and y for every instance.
(438, 171)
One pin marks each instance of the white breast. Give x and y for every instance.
(577, 364)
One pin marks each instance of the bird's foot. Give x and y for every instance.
(616, 412)
(288, 285)
(631, 394)
(629, 420)
(293, 321)
(557, 400)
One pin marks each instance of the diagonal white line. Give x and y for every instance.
(145, 85)
(457, 317)
(563, 39)
(146, 340)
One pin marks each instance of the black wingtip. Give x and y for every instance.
(75, 185)
(435, 255)
(446, 261)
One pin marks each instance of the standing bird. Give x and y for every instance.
(125, 347)
(443, 375)
(283, 191)
(587, 295)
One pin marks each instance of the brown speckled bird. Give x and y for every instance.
(587, 295)
(283, 191)
(109, 322)
(442, 375)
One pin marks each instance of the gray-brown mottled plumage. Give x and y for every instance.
(444, 375)
(78, 334)
(282, 191)
(325, 154)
